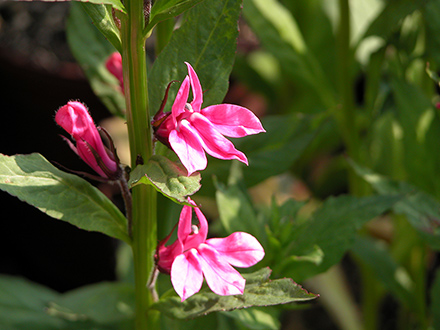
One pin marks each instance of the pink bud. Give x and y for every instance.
(114, 65)
(76, 120)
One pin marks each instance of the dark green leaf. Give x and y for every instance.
(332, 231)
(435, 301)
(421, 209)
(207, 40)
(117, 4)
(92, 50)
(388, 21)
(270, 153)
(259, 291)
(164, 9)
(394, 277)
(23, 304)
(60, 195)
(167, 177)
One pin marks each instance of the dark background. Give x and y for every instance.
(37, 76)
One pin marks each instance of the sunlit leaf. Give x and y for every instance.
(61, 195)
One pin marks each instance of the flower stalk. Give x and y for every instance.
(140, 139)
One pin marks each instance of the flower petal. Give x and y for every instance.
(180, 100)
(213, 142)
(221, 277)
(197, 101)
(186, 144)
(239, 249)
(186, 274)
(233, 120)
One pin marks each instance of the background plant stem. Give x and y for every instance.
(139, 132)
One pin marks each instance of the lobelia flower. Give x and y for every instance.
(76, 120)
(192, 257)
(190, 130)
(114, 66)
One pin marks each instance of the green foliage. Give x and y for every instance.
(259, 291)
(26, 305)
(207, 40)
(167, 177)
(91, 50)
(61, 195)
(165, 9)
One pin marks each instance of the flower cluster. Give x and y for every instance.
(190, 131)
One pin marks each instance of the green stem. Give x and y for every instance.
(141, 147)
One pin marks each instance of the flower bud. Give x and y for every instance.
(76, 120)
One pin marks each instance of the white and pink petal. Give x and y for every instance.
(239, 249)
(186, 274)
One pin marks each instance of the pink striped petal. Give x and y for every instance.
(213, 142)
(197, 101)
(186, 274)
(233, 120)
(239, 249)
(188, 148)
(221, 277)
(180, 101)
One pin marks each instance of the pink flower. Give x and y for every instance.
(193, 257)
(76, 120)
(114, 65)
(190, 130)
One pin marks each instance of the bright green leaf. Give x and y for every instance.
(207, 40)
(61, 195)
(167, 177)
(259, 291)
(91, 51)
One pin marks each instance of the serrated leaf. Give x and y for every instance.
(91, 51)
(167, 177)
(61, 195)
(164, 9)
(258, 292)
(117, 4)
(207, 40)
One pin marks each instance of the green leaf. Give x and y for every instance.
(421, 209)
(256, 318)
(435, 301)
(167, 177)
(394, 277)
(22, 305)
(207, 40)
(279, 34)
(91, 51)
(102, 18)
(165, 9)
(270, 153)
(388, 21)
(259, 291)
(332, 231)
(61, 195)
(102, 303)
(116, 4)
(25, 305)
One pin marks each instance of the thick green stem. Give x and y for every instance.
(141, 148)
